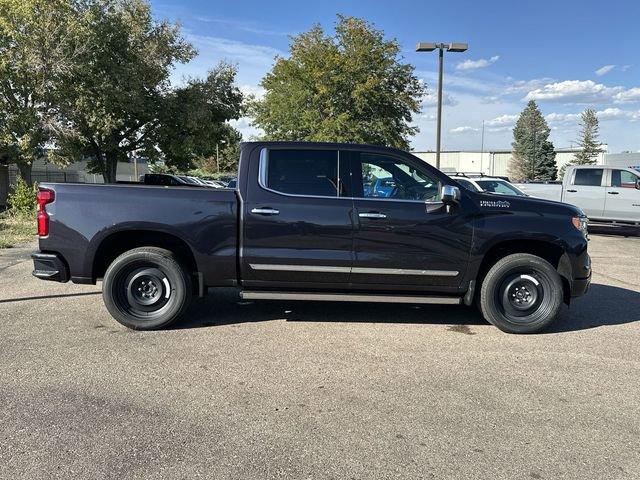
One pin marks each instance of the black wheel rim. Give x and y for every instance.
(524, 295)
(143, 291)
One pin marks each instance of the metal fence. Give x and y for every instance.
(49, 176)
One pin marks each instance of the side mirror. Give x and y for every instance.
(450, 195)
(637, 183)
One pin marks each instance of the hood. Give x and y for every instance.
(489, 201)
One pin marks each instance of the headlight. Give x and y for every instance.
(581, 224)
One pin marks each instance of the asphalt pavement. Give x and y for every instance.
(252, 390)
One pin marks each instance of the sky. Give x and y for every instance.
(567, 55)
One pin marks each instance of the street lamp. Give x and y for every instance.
(450, 47)
(218, 154)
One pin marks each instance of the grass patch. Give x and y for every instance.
(16, 229)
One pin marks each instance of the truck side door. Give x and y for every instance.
(623, 197)
(586, 189)
(404, 238)
(296, 222)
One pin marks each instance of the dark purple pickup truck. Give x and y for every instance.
(306, 223)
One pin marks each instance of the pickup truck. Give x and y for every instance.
(301, 226)
(606, 194)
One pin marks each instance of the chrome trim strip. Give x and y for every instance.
(347, 297)
(372, 215)
(358, 270)
(300, 268)
(404, 271)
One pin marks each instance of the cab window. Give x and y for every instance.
(301, 172)
(588, 176)
(387, 177)
(623, 179)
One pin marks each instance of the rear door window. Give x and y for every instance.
(301, 172)
(588, 176)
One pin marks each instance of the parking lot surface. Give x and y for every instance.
(319, 390)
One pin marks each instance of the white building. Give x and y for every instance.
(494, 162)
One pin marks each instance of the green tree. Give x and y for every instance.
(193, 121)
(38, 46)
(349, 87)
(588, 139)
(113, 98)
(533, 154)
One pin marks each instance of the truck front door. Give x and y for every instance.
(404, 237)
(622, 200)
(296, 221)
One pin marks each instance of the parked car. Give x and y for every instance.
(606, 194)
(165, 179)
(486, 184)
(301, 226)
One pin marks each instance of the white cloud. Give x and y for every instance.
(631, 95)
(574, 91)
(524, 86)
(562, 117)
(502, 120)
(475, 64)
(256, 92)
(246, 128)
(431, 99)
(604, 70)
(465, 129)
(617, 113)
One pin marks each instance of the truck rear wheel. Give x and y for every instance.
(146, 288)
(521, 293)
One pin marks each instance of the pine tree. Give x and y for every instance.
(534, 157)
(588, 140)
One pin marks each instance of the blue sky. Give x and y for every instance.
(566, 54)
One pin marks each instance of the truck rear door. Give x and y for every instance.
(297, 224)
(622, 200)
(586, 189)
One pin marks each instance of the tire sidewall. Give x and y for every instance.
(491, 307)
(164, 261)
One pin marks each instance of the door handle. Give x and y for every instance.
(572, 191)
(613, 193)
(265, 211)
(372, 215)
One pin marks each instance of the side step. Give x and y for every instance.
(348, 297)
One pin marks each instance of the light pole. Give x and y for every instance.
(450, 47)
(218, 154)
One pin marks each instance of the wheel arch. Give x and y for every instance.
(549, 251)
(116, 243)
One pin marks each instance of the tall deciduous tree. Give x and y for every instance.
(588, 139)
(349, 87)
(193, 122)
(533, 154)
(39, 44)
(119, 101)
(114, 98)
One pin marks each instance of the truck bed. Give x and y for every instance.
(87, 219)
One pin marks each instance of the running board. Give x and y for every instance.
(348, 297)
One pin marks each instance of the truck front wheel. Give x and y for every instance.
(146, 288)
(521, 293)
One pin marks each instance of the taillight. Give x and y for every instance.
(43, 197)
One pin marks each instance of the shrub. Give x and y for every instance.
(22, 198)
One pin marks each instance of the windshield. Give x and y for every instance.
(500, 187)
(467, 184)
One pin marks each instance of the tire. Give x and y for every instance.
(521, 293)
(146, 288)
